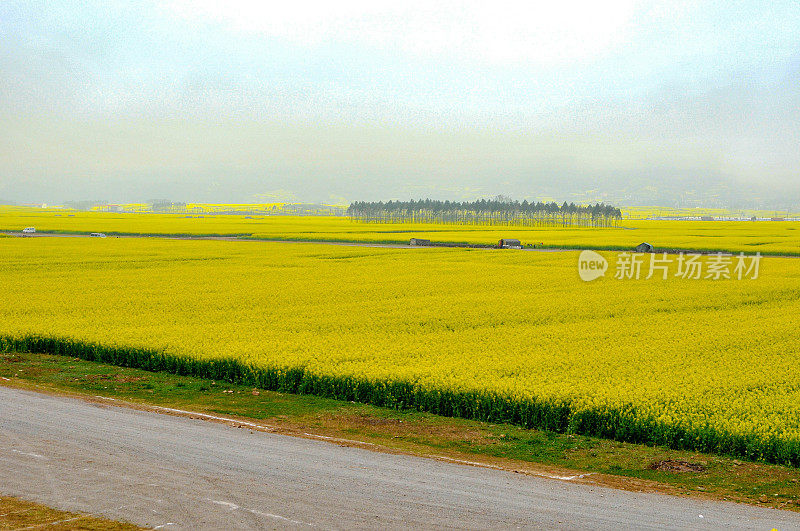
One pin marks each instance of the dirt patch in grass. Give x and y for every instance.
(418, 428)
(129, 379)
(109, 377)
(676, 465)
(368, 420)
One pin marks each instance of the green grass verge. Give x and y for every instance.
(621, 424)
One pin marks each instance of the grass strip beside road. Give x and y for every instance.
(609, 463)
(22, 514)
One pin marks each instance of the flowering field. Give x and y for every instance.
(496, 335)
(766, 237)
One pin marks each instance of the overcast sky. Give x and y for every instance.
(673, 103)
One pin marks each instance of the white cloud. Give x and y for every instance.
(542, 32)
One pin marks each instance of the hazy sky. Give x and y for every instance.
(631, 102)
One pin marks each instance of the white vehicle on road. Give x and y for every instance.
(28, 230)
(97, 235)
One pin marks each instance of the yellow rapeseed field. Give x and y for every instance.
(500, 335)
(643, 212)
(767, 237)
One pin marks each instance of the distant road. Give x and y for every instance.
(440, 245)
(245, 239)
(173, 472)
(217, 238)
(353, 244)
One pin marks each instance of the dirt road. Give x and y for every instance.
(178, 473)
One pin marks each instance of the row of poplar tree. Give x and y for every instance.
(486, 212)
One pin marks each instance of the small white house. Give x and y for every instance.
(28, 230)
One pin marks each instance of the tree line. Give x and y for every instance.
(497, 211)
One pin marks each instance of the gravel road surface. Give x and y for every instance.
(173, 472)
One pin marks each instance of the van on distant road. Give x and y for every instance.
(28, 230)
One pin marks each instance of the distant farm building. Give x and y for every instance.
(419, 241)
(644, 248)
(509, 243)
